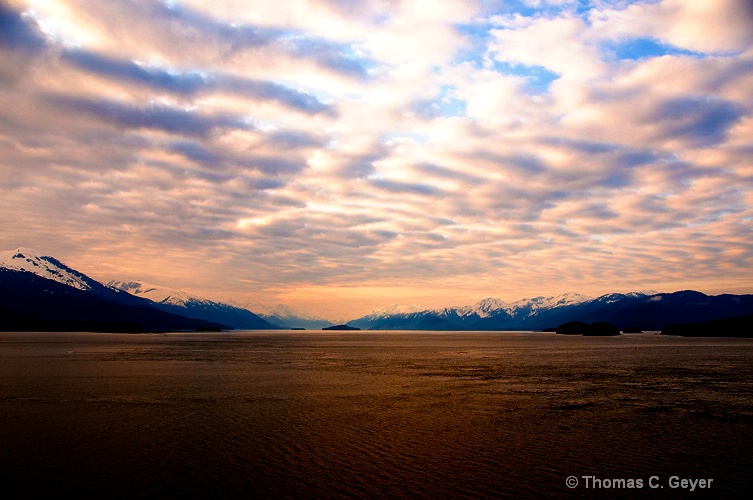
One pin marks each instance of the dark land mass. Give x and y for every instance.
(214, 312)
(412, 321)
(741, 326)
(656, 312)
(632, 329)
(32, 303)
(599, 329)
(340, 327)
(631, 313)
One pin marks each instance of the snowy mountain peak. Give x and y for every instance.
(532, 306)
(44, 266)
(395, 309)
(284, 313)
(193, 306)
(156, 293)
(280, 310)
(615, 297)
(488, 307)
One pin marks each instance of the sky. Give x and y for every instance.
(341, 155)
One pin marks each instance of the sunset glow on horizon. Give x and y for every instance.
(337, 156)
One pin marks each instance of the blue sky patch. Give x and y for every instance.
(448, 104)
(539, 78)
(643, 48)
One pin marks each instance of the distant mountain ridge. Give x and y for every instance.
(156, 293)
(285, 317)
(485, 314)
(37, 289)
(38, 292)
(187, 304)
(644, 310)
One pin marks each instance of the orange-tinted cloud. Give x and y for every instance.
(280, 151)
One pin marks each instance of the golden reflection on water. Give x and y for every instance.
(448, 415)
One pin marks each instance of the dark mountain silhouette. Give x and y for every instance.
(38, 292)
(656, 312)
(410, 321)
(235, 317)
(30, 302)
(741, 326)
(33, 263)
(634, 311)
(185, 304)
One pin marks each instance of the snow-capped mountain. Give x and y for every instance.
(482, 309)
(496, 314)
(394, 310)
(194, 306)
(531, 307)
(616, 297)
(157, 293)
(285, 317)
(44, 266)
(38, 292)
(406, 317)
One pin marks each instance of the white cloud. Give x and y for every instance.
(313, 145)
(711, 27)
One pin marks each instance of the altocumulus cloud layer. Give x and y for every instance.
(341, 155)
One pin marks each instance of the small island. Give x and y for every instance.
(209, 328)
(340, 327)
(599, 329)
(632, 329)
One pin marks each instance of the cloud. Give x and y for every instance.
(359, 165)
(188, 35)
(420, 149)
(180, 83)
(193, 83)
(563, 45)
(405, 187)
(330, 56)
(152, 116)
(271, 165)
(21, 41)
(18, 32)
(709, 27)
(700, 121)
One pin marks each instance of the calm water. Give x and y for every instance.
(349, 415)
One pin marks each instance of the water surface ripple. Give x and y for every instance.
(372, 415)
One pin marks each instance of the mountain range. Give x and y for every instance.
(285, 317)
(38, 292)
(637, 310)
(186, 304)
